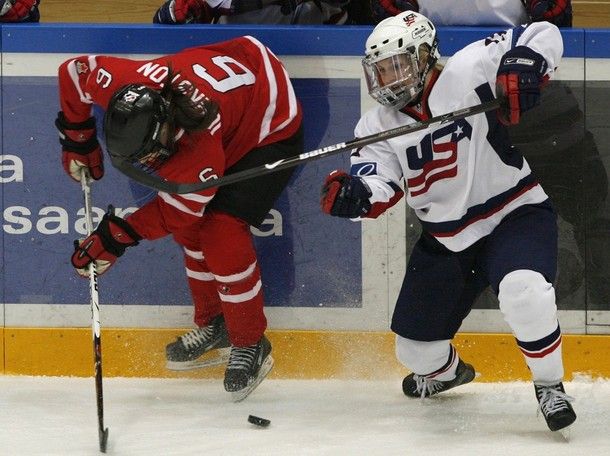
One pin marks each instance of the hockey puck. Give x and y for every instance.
(262, 422)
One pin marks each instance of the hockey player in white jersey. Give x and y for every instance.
(479, 12)
(486, 221)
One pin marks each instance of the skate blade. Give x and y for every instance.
(240, 395)
(218, 356)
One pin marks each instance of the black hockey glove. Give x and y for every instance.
(80, 148)
(345, 196)
(183, 12)
(520, 77)
(108, 242)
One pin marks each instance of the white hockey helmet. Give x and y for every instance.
(399, 53)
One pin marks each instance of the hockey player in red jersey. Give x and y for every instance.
(189, 117)
(486, 221)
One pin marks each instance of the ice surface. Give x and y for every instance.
(57, 416)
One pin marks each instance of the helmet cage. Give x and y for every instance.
(393, 79)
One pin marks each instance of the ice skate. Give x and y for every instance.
(247, 367)
(415, 385)
(555, 406)
(202, 347)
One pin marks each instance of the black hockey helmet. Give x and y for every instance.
(132, 125)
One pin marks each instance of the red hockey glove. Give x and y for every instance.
(108, 242)
(558, 12)
(183, 12)
(382, 9)
(19, 11)
(521, 75)
(345, 196)
(80, 147)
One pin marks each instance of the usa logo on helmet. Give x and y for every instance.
(410, 19)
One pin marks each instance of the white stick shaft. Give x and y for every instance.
(95, 303)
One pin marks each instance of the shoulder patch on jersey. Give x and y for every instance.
(81, 67)
(364, 169)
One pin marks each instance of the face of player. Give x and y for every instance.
(160, 151)
(394, 69)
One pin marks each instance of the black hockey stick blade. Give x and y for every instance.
(174, 187)
(103, 439)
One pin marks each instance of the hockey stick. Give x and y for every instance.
(174, 187)
(95, 316)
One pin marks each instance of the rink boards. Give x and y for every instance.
(330, 284)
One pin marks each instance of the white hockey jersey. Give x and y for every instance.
(474, 12)
(461, 177)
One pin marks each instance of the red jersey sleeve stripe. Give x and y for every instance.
(286, 88)
(186, 205)
(272, 85)
(292, 103)
(271, 113)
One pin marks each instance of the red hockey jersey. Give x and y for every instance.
(257, 105)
